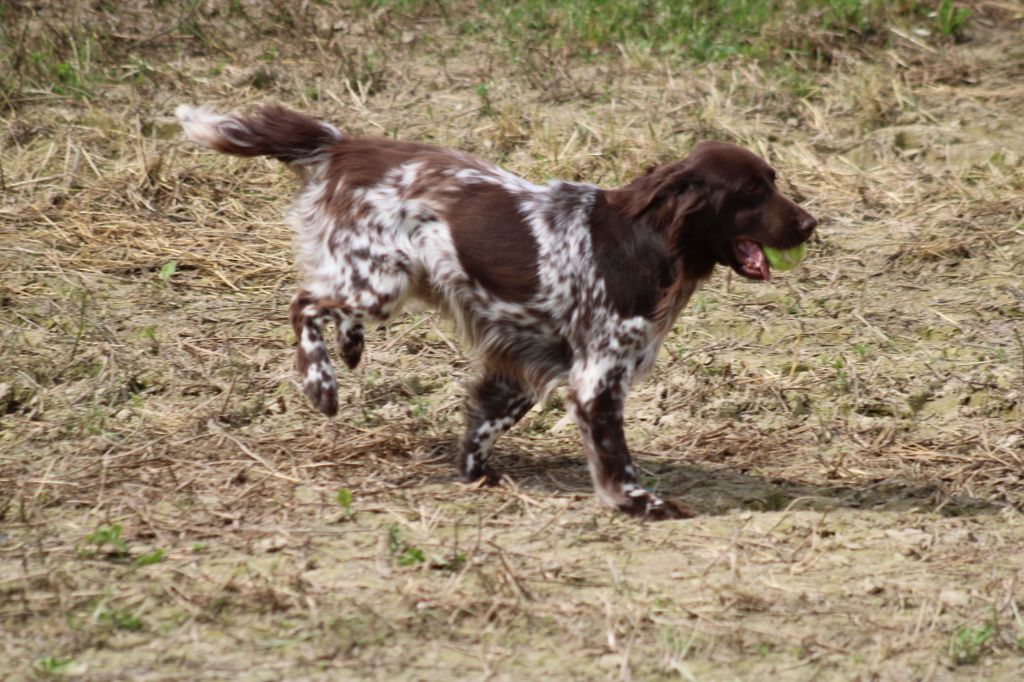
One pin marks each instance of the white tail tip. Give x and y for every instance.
(200, 123)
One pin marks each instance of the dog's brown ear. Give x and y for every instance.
(688, 198)
(665, 195)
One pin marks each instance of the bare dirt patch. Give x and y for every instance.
(852, 433)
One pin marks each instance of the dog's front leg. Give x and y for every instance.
(598, 397)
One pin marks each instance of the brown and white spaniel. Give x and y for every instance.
(561, 282)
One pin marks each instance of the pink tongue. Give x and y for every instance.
(754, 257)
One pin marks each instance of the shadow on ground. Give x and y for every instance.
(712, 491)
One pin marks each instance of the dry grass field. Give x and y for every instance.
(852, 433)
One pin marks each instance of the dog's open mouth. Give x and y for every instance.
(751, 261)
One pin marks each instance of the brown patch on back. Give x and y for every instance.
(363, 162)
(494, 243)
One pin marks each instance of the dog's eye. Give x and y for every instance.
(752, 187)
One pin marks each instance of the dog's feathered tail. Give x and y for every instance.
(270, 130)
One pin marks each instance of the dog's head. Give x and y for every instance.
(719, 205)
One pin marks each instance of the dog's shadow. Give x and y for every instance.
(715, 491)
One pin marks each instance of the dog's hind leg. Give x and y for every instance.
(308, 315)
(494, 405)
(357, 301)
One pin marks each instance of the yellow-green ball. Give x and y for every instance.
(784, 259)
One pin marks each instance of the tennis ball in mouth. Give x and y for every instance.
(784, 259)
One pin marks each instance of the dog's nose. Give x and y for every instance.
(808, 223)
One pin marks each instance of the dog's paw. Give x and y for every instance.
(484, 475)
(352, 348)
(670, 509)
(648, 507)
(321, 388)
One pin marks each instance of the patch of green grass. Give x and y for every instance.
(107, 540)
(708, 368)
(794, 80)
(969, 644)
(119, 619)
(345, 501)
(404, 553)
(483, 92)
(150, 558)
(167, 270)
(73, 76)
(697, 29)
(411, 556)
(64, 63)
(420, 408)
(951, 19)
(270, 54)
(700, 29)
(52, 665)
(863, 350)
(843, 382)
(108, 536)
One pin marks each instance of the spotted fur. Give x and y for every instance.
(553, 283)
